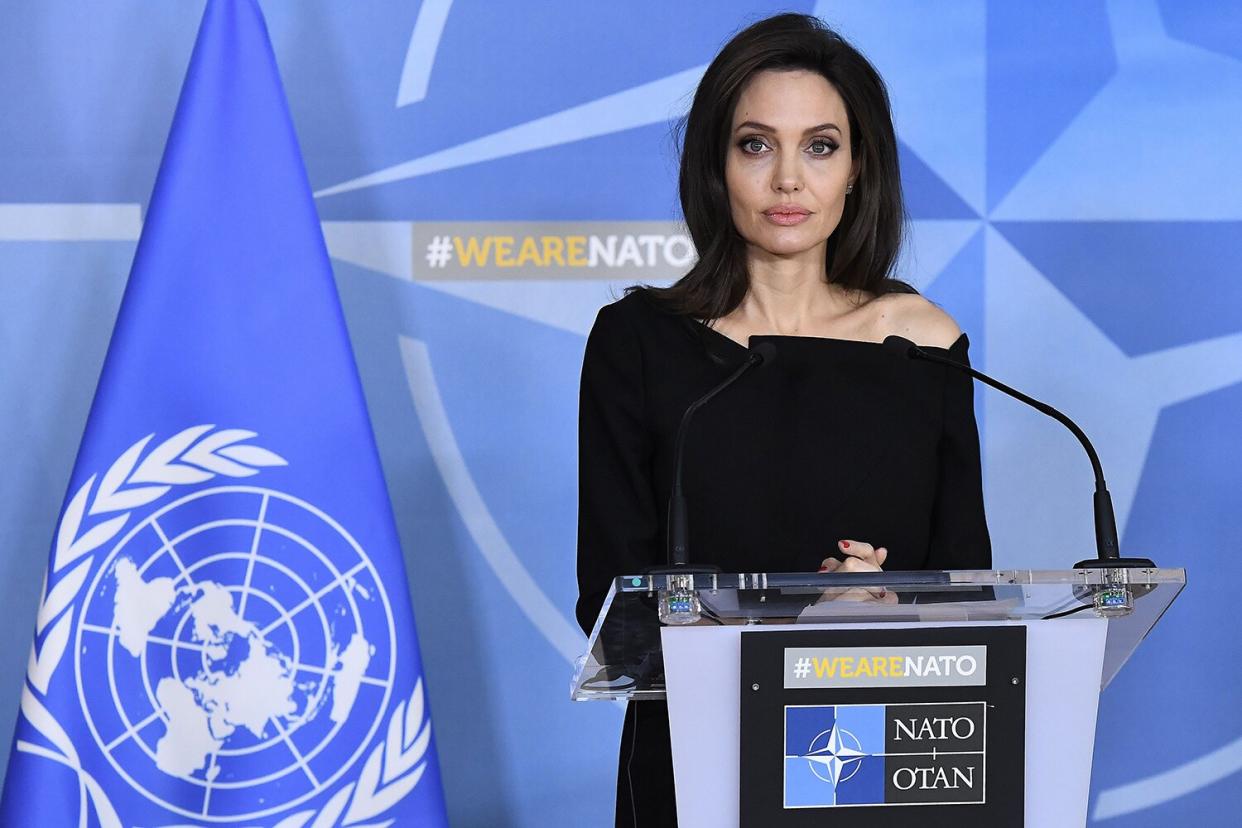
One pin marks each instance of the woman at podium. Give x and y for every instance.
(835, 455)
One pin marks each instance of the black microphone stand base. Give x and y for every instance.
(1116, 563)
(1115, 597)
(684, 569)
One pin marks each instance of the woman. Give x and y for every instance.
(837, 456)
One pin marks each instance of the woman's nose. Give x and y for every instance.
(787, 177)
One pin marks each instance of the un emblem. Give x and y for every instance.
(235, 651)
(225, 654)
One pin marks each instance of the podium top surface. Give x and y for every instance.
(624, 658)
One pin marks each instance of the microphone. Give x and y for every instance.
(679, 601)
(678, 542)
(1107, 551)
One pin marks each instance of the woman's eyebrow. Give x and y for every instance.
(766, 128)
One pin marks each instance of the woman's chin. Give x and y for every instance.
(787, 246)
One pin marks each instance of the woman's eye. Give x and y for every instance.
(753, 146)
(822, 147)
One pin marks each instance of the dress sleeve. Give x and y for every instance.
(959, 536)
(617, 517)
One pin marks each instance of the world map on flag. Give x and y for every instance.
(235, 654)
(245, 681)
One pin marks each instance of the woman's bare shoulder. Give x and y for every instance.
(915, 318)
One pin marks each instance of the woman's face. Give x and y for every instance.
(789, 163)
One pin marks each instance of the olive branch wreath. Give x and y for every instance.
(193, 455)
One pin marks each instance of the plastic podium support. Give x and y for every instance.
(1080, 627)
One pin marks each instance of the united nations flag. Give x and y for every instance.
(225, 635)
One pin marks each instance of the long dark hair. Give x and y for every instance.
(862, 251)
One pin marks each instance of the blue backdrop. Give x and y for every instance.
(490, 174)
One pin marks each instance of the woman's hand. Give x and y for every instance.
(859, 557)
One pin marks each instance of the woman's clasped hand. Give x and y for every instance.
(858, 557)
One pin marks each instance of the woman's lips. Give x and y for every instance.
(787, 217)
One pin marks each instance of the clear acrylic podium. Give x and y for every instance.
(1082, 625)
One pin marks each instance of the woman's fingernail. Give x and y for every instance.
(823, 569)
(845, 544)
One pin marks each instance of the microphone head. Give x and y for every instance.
(763, 353)
(901, 347)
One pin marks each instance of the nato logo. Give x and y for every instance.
(834, 755)
(877, 754)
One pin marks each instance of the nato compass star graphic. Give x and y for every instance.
(840, 755)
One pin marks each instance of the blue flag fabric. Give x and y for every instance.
(225, 634)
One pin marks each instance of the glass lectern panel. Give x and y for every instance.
(624, 658)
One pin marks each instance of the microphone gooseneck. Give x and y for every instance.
(1107, 548)
(678, 542)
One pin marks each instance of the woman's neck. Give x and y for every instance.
(788, 296)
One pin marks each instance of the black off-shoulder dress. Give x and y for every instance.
(834, 439)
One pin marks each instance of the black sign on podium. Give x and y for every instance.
(858, 727)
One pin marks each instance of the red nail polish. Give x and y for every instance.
(845, 544)
(823, 569)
